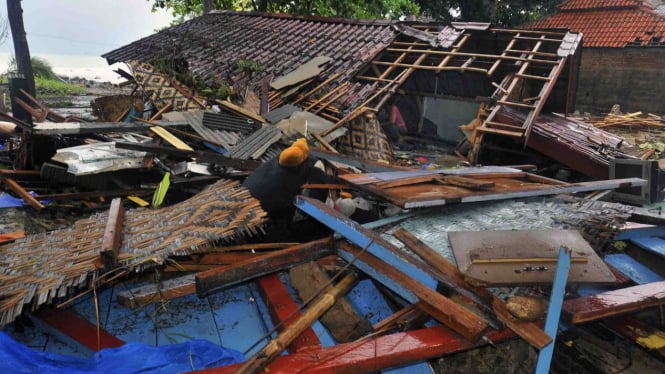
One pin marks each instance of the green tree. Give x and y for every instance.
(183, 9)
(503, 13)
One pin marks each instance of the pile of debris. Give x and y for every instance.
(412, 261)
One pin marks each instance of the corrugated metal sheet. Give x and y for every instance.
(228, 122)
(214, 42)
(255, 145)
(226, 139)
(281, 113)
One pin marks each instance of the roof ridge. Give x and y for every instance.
(586, 5)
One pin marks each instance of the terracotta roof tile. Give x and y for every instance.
(598, 4)
(214, 42)
(608, 28)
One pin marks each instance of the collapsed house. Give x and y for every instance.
(487, 93)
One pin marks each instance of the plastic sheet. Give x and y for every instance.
(130, 358)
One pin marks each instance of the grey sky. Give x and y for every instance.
(84, 27)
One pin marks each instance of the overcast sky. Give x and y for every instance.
(84, 27)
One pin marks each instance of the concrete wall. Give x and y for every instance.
(633, 77)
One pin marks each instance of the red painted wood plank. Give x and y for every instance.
(615, 302)
(282, 307)
(641, 333)
(79, 329)
(373, 354)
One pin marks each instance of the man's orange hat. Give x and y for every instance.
(296, 154)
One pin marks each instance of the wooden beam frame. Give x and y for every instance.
(217, 279)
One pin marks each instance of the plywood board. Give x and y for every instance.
(502, 185)
(506, 257)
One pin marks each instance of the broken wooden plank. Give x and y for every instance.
(374, 354)
(441, 308)
(554, 310)
(284, 312)
(643, 334)
(249, 247)
(323, 143)
(220, 258)
(363, 237)
(158, 115)
(400, 318)
(112, 235)
(213, 280)
(341, 320)
(631, 268)
(72, 327)
(506, 186)
(528, 331)
(170, 138)
(323, 303)
(457, 180)
(11, 236)
(374, 244)
(615, 302)
(240, 110)
(152, 293)
(407, 181)
(23, 194)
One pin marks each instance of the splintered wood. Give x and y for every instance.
(44, 267)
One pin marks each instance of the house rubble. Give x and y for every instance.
(539, 214)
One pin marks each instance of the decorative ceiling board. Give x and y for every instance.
(503, 186)
(508, 257)
(48, 267)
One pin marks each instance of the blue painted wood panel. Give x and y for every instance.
(237, 319)
(632, 269)
(650, 243)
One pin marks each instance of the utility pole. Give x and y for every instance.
(21, 50)
(21, 79)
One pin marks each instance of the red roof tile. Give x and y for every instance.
(598, 4)
(608, 28)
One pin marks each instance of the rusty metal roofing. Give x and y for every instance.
(213, 43)
(615, 24)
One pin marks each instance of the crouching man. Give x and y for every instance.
(278, 181)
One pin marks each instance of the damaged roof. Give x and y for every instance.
(615, 23)
(214, 42)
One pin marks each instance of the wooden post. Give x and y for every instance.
(23, 194)
(112, 235)
(265, 356)
(342, 320)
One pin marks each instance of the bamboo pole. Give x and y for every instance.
(265, 356)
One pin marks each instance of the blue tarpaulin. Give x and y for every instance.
(130, 358)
